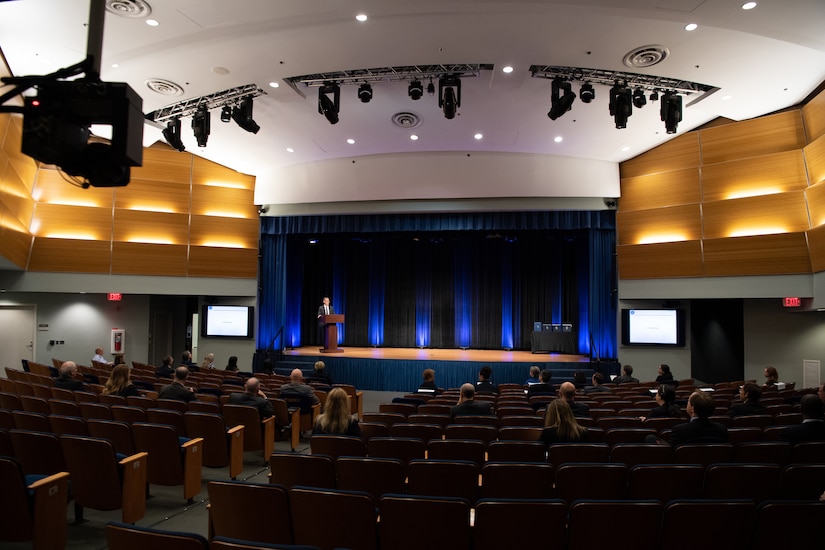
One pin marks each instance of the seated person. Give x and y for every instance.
(560, 425)
(544, 386)
(208, 361)
(296, 385)
(336, 419)
(813, 425)
(67, 380)
(535, 371)
(567, 392)
(186, 360)
(166, 369)
(428, 385)
(98, 358)
(666, 404)
(700, 429)
(665, 376)
(232, 364)
(626, 377)
(484, 385)
(749, 394)
(771, 377)
(320, 374)
(253, 396)
(468, 406)
(177, 389)
(596, 386)
(120, 383)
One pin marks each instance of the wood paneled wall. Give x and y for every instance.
(744, 198)
(180, 215)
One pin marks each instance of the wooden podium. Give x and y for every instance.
(331, 333)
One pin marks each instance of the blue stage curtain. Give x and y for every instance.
(602, 304)
(507, 305)
(272, 291)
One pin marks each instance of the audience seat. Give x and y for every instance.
(249, 511)
(447, 522)
(585, 529)
(591, 481)
(376, 476)
(404, 449)
(351, 525)
(424, 432)
(118, 433)
(39, 453)
(517, 480)
(172, 462)
(289, 469)
(221, 446)
(664, 482)
(736, 481)
(515, 523)
(561, 453)
(516, 451)
(121, 536)
(334, 446)
(443, 478)
(691, 524)
(259, 435)
(788, 524)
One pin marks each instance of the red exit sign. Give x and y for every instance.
(117, 296)
(792, 302)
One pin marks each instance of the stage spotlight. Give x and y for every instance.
(639, 99)
(587, 93)
(449, 95)
(621, 104)
(671, 111)
(242, 115)
(326, 106)
(415, 90)
(172, 134)
(431, 87)
(561, 98)
(201, 125)
(226, 114)
(654, 96)
(365, 92)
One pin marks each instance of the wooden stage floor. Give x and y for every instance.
(416, 354)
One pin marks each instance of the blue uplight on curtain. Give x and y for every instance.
(463, 299)
(376, 294)
(507, 297)
(423, 298)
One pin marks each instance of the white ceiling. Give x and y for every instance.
(764, 59)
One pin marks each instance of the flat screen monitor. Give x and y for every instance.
(653, 327)
(227, 321)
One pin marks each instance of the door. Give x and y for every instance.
(17, 335)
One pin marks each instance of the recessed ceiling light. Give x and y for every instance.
(361, 17)
(152, 23)
(274, 84)
(414, 137)
(290, 150)
(691, 27)
(748, 5)
(478, 136)
(625, 149)
(351, 141)
(558, 139)
(115, 65)
(727, 97)
(508, 69)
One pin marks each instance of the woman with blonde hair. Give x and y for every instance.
(336, 419)
(119, 382)
(560, 425)
(208, 361)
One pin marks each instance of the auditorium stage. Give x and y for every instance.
(399, 369)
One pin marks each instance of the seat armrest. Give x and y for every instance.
(235, 436)
(49, 502)
(134, 468)
(192, 466)
(268, 428)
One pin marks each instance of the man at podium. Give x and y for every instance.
(324, 309)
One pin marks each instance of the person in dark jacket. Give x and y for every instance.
(749, 394)
(666, 406)
(177, 389)
(700, 429)
(67, 380)
(253, 396)
(813, 425)
(567, 391)
(484, 385)
(468, 406)
(665, 376)
(428, 385)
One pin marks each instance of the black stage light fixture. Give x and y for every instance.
(671, 111)
(587, 93)
(639, 99)
(654, 96)
(201, 125)
(326, 106)
(226, 114)
(621, 104)
(365, 92)
(172, 134)
(449, 95)
(561, 98)
(415, 90)
(242, 115)
(431, 87)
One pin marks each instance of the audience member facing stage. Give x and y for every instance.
(336, 419)
(208, 361)
(813, 425)
(428, 385)
(560, 425)
(665, 376)
(186, 361)
(67, 380)
(771, 377)
(749, 394)
(177, 390)
(544, 386)
(535, 371)
(700, 429)
(253, 396)
(98, 358)
(484, 385)
(120, 383)
(119, 359)
(666, 404)
(468, 406)
(296, 385)
(232, 364)
(567, 392)
(166, 369)
(821, 392)
(320, 374)
(597, 384)
(626, 377)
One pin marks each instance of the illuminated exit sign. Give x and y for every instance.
(792, 302)
(117, 296)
